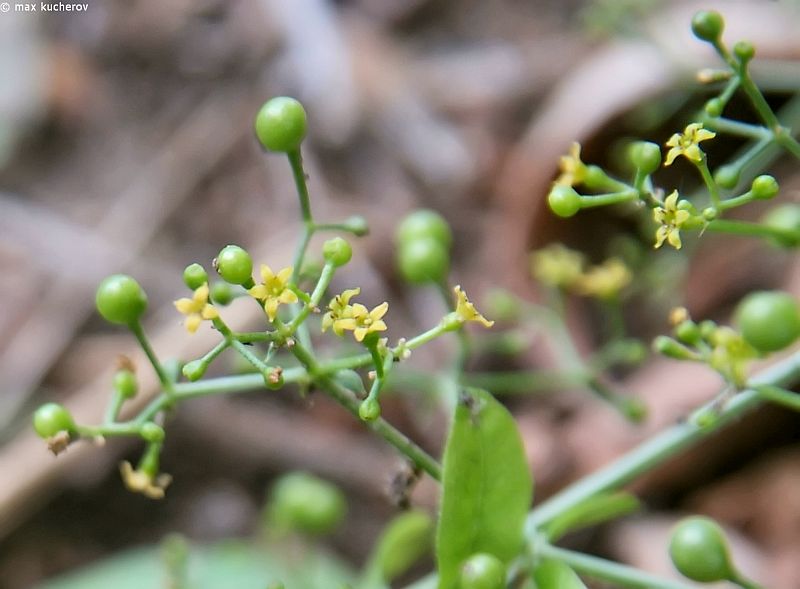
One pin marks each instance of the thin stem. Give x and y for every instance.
(708, 179)
(296, 162)
(166, 383)
(600, 568)
(662, 447)
(114, 407)
(779, 396)
(599, 200)
(733, 127)
(748, 229)
(319, 290)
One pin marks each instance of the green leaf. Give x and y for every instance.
(486, 486)
(554, 574)
(407, 538)
(594, 510)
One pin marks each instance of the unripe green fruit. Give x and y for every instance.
(708, 25)
(357, 225)
(194, 370)
(769, 320)
(234, 265)
(52, 418)
(744, 50)
(786, 218)
(564, 201)
(337, 251)
(221, 293)
(646, 156)
(423, 260)
(764, 187)
(281, 124)
(688, 332)
(195, 276)
(727, 176)
(120, 299)
(152, 433)
(369, 410)
(699, 551)
(424, 224)
(125, 383)
(714, 107)
(303, 502)
(482, 571)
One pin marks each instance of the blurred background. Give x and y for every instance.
(126, 144)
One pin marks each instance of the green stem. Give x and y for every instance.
(708, 179)
(166, 383)
(256, 362)
(599, 200)
(748, 229)
(733, 127)
(661, 447)
(736, 201)
(114, 407)
(319, 291)
(744, 582)
(600, 568)
(779, 396)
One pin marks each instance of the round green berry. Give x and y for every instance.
(764, 187)
(482, 571)
(195, 276)
(369, 410)
(152, 433)
(221, 293)
(727, 176)
(699, 551)
(424, 224)
(646, 156)
(707, 25)
(564, 201)
(357, 225)
(52, 418)
(234, 265)
(120, 299)
(423, 260)
(125, 383)
(744, 50)
(305, 503)
(281, 124)
(195, 369)
(714, 107)
(337, 251)
(785, 218)
(769, 320)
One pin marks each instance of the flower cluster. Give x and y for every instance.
(563, 268)
(342, 316)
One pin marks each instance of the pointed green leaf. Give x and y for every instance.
(486, 486)
(406, 539)
(554, 574)
(594, 510)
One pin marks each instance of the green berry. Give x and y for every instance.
(52, 418)
(688, 332)
(727, 176)
(221, 293)
(234, 265)
(194, 370)
(195, 276)
(699, 551)
(482, 571)
(596, 178)
(784, 218)
(714, 107)
(305, 503)
(423, 260)
(645, 156)
(769, 320)
(369, 410)
(564, 201)
(281, 124)
(707, 25)
(668, 347)
(357, 225)
(337, 251)
(125, 383)
(152, 433)
(744, 50)
(120, 299)
(424, 224)
(764, 187)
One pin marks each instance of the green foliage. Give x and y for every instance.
(486, 486)
(406, 539)
(554, 574)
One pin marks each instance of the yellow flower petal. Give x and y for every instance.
(258, 292)
(193, 322)
(185, 306)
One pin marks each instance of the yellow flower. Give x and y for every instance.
(605, 280)
(686, 143)
(139, 481)
(361, 321)
(557, 265)
(274, 290)
(731, 355)
(670, 219)
(197, 309)
(466, 311)
(339, 308)
(573, 170)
